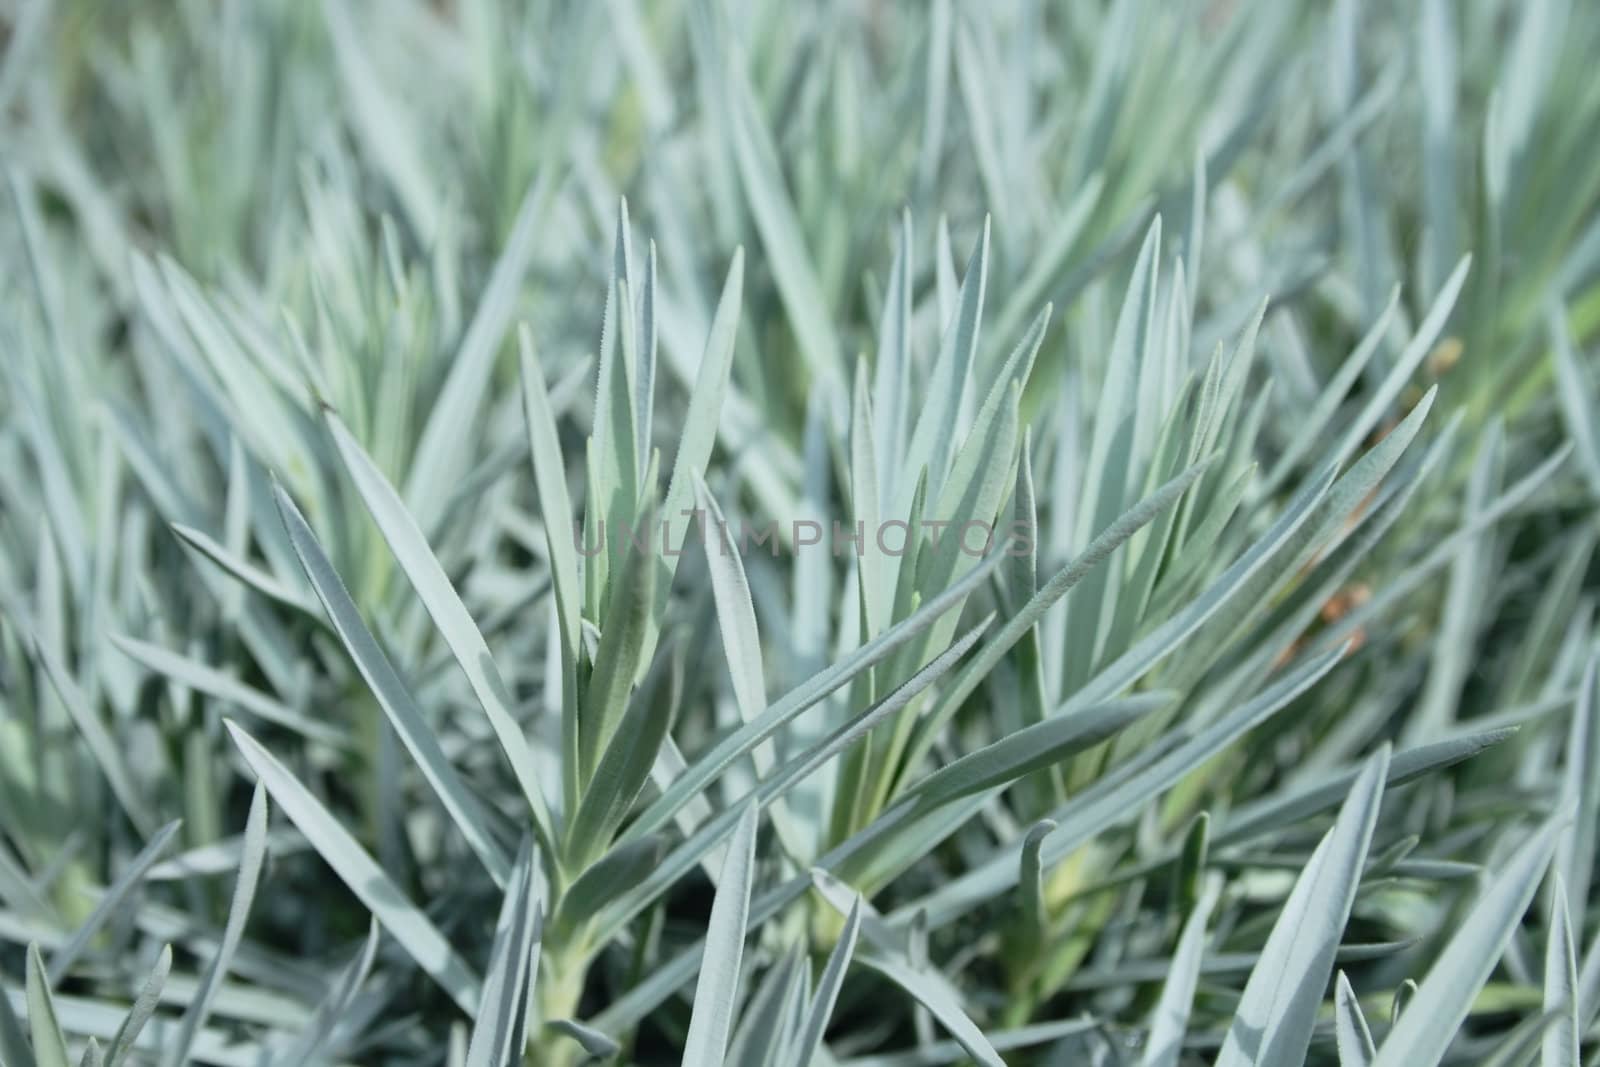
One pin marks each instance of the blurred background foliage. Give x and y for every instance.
(224, 214)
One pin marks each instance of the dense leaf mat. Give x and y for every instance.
(770, 534)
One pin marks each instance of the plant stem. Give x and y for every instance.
(560, 990)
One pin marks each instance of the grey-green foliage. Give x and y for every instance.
(390, 391)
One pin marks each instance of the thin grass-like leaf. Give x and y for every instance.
(722, 755)
(507, 982)
(764, 1020)
(931, 443)
(14, 1046)
(589, 1039)
(307, 1047)
(1560, 1045)
(49, 1046)
(1274, 1020)
(715, 995)
(699, 425)
(827, 994)
(244, 893)
(449, 614)
(620, 653)
(393, 696)
(736, 615)
(113, 902)
(1170, 1019)
(1116, 798)
(1354, 1037)
(555, 508)
(1032, 748)
(1059, 584)
(144, 1006)
(796, 770)
(606, 880)
(107, 753)
(1405, 366)
(1423, 1033)
(938, 1001)
(1580, 787)
(410, 927)
(621, 774)
(266, 584)
(227, 689)
(762, 180)
(440, 449)
(1030, 878)
(1577, 399)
